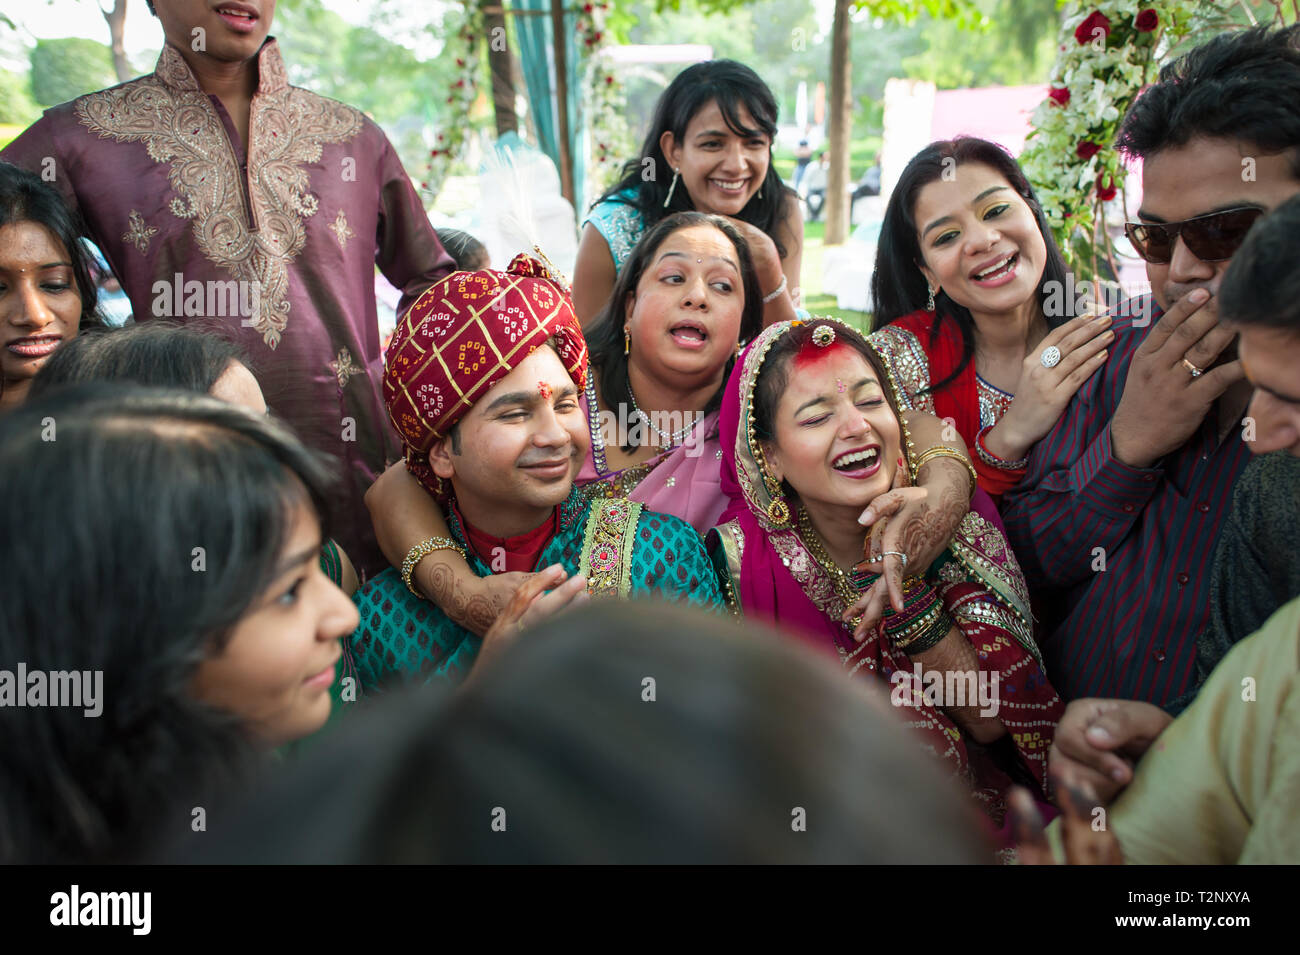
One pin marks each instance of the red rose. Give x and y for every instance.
(1059, 95)
(1147, 20)
(1107, 192)
(1085, 30)
(1086, 150)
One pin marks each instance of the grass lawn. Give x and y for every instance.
(814, 299)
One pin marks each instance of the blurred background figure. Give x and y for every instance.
(469, 253)
(614, 735)
(802, 157)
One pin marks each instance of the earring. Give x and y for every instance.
(627, 340)
(929, 304)
(778, 513)
(671, 187)
(760, 192)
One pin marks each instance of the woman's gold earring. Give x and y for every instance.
(627, 340)
(929, 305)
(778, 513)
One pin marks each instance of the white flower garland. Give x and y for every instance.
(1107, 54)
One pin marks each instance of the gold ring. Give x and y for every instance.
(1196, 372)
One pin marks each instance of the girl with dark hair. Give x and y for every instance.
(615, 780)
(811, 435)
(219, 643)
(46, 291)
(974, 310)
(162, 355)
(713, 129)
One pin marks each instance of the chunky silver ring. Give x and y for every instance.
(1051, 356)
(1196, 372)
(895, 553)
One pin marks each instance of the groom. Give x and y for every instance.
(483, 383)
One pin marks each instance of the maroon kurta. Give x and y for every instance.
(274, 246)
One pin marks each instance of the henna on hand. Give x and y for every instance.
(924, 534)
(475, 611)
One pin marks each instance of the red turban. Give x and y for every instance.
(460, 338)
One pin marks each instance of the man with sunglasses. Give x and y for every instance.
(1222, 786)
(1118, 516)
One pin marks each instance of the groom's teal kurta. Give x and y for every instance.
(402, 637)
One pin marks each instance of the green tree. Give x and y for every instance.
(16, 105)
(1012, 44)
(401, 89)
(65, 69)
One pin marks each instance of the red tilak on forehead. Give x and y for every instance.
(544, 390)
(811, 353)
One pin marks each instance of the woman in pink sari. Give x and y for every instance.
(811, 434)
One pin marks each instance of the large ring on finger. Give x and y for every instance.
(1051, 357)
(896, 553)
(1196, 372)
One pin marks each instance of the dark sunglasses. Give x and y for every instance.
(1211, 238)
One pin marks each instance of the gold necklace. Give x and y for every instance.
(844, 588)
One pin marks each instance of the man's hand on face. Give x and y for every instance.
(1163, 402)
(1099, 741)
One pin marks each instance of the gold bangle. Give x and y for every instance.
(943, 451)
(423, 550)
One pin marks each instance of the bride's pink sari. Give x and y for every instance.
(774, 576)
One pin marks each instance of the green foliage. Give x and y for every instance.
(957, 57)
(403, 90)
(16, 105)
(62, 70)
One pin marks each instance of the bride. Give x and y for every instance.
(811, 434)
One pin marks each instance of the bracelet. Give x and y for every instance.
(919, 598)
(423, 550)
(776, 291)
(991, 459)
(943, 451)
(925, 634)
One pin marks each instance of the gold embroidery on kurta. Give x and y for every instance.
(342, 231)
(138, 234)
(343, 367)
(178, 125)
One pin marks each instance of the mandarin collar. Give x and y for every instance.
(176, 73)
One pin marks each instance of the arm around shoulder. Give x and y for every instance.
(594, 275)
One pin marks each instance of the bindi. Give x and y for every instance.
(544, 390)
(840, 386)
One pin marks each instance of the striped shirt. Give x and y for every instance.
(1118, 558)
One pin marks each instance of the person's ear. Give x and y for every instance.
(773, 458)
(629, 304)
(671, 149)
(440, 459)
